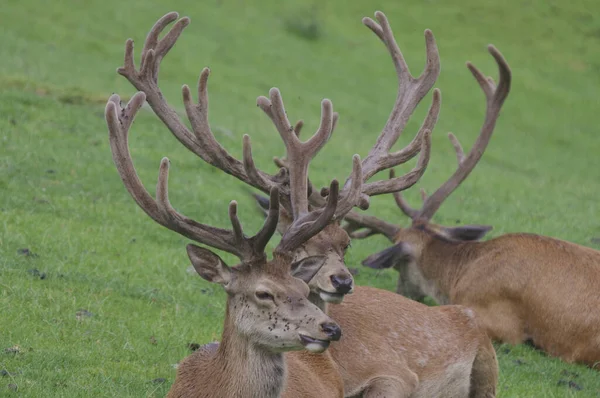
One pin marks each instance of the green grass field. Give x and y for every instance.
(95, 299)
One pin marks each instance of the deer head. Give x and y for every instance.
(267, 302)
(334, 280)
(411, 244)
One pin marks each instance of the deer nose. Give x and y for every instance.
(341, 283)
(332, 330)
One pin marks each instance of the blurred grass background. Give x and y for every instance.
(95, 299)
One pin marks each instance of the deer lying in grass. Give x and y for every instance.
(268, 311)
(393, 346)
(523, 287)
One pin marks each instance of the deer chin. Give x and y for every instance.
(332, 298)
(313, 345)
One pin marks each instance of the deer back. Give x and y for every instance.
(432, 350)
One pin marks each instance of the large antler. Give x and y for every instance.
(203, 143)
(411, 90)
(299, 154)
(234, 241)
(495, 96)
(200, 140)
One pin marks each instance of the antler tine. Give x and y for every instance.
(360, 226)
(162, 212)
(413, 148)
(146, 79)
(298, 127)
(119, 121)
(282, 162)
(460, 154)
(215, 153)
(401, 202)
(263, 236)
(298, 153)
(201, 141)
(352, 194)
(309, 224)
(495, 96)
(238, 232)
(154, 50)
(211, 151)
(407, 180)
(230, 241)
(245, 248)
(281, 179)
(411, 91)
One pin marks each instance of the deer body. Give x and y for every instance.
(268, 312)
(395, 347)
(524, 288)
(313, 375)
(418, 351)
(392, 346)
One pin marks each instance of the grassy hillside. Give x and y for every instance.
(95, 299)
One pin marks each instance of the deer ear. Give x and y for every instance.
(285, 220)
(262, 202)
(466, 232)
(208, 265)
(307, 268)
(387, 258)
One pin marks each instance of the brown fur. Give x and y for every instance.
(312, 375)
(416, 351)
(524, 287)
(268, 312)
(250, 360)
(300, 366)
(384, 333)
(396, 347)
(291, 373)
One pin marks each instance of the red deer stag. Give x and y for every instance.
(393, 346)
(334, 280)
(268, 311)
(523, 287)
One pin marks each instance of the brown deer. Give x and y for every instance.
(393, 346)
(334, 280)
(268, 312)
(523, 287)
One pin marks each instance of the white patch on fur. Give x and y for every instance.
(469, 312)
(315, 348)
(331, 298)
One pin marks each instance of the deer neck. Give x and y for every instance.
(316, 299)
(443, 264)
(246, 369)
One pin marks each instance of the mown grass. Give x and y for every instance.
(101, 304)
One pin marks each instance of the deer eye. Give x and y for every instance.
(262, 295)
(348, 246)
